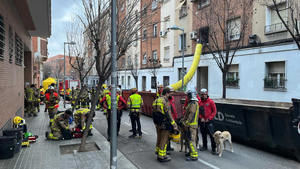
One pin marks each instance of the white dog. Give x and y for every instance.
(220, 139)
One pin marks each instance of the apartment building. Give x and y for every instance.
(19, 21)
(40, 53)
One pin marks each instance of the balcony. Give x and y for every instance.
(275, 28)
(275, 83)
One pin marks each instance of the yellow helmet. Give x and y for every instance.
(104, 86)
(17, 120)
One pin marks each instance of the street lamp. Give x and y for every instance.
(174, 27)
(69, 43)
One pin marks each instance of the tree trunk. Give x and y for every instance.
(90, 117)
(136, 82)
(224, 84)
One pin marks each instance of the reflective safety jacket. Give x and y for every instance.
(30, 94)
(162, 111)
(80, 116)
(60, 122)
(190, 118)
(52, 100)
(135, 102)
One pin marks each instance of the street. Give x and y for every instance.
(141, 151)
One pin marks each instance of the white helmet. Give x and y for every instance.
(51, 88)
(192, 95)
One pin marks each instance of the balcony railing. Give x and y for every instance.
(275, 83)
(274, 28)
(232, 82)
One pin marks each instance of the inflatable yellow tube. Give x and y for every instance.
(192, 70)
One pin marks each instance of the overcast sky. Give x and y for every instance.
(62, 13)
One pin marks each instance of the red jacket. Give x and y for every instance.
(121, 103)
(210, 109)
(173, 109)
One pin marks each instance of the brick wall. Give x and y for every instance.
(11, 75)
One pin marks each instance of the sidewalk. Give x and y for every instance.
(45, 154)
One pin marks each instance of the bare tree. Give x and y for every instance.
(228, 24)
(96, 22)
(134, 70)
(289, 14)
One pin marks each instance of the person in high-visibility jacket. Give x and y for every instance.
(84, 97)
(106, 102)
(52, 100)
(159, 90)
(37, 99)
(60, 128)
(31, 99)
(121, 105)
(164, 124)
(68, 93)
(135, 103)
(80, 118)
(190, 124)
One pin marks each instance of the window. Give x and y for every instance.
(155, 30)
(123, 62)
(167, 54)
(203, 3)
(182, 41)
(273, 22)
(2, 37)
(204, 35)
(180, 73)
(135, 39)
(233, 29)
(154, 55)
(128, 81)
(11, 44)
(232, 77)
(166, 80)
(154, 4)
(183, 10)
(129, 61)
(153, 82)
(275, 75)
(122, 80)
(144, 34)
(19, 50)
(144, 11)
(145, 58)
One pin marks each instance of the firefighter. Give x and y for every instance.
(42, 94)
(106, 103)
(52, 100)
(75, 95)
(164, 124)
(121, 105)
(68, 93)
(37, 99)
(159, 90)
(190, 124)
(135, 103)
(60, 128)
(80, 118)
(84, 98)
(31, 98)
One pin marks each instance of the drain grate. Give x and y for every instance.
(69, 149)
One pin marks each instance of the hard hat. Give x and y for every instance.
(104, 86)
(203, 91)
(51, 88)
(192, 95)
(118, 90)
(17, 120)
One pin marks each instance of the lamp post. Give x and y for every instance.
(174, 27)
(69, 43)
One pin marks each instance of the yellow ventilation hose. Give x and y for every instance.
(192, 70)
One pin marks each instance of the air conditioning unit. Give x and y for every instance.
(254, 39)
(163, 34)
(193, 35)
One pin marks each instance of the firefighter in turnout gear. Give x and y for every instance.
(37, 99)
(106, 103)
(164, 124)
(121, 104)
(60, 128)
(190, 124)
(42, 94)
(31, 99)
(84, 98)
(135, 103)
(52, 100)
(80, 118)
(75, 95)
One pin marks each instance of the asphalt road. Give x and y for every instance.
(141, 151)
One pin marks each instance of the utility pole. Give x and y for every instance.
(113, 117)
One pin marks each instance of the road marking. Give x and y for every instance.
(142, 130)
(208, 164)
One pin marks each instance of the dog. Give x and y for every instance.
(220, 139)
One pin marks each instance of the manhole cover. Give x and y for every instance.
(69, 149)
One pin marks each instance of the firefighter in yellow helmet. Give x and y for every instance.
(80, 118)
(60, 128)
(190, 124)
(164, 124)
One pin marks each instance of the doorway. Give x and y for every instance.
(202, 78)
